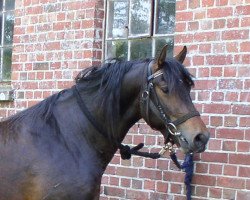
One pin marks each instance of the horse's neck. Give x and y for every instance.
(130, 99)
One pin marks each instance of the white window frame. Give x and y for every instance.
(152, 31)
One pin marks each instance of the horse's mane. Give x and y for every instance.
(104, 83)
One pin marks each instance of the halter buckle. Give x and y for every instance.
(173, 129)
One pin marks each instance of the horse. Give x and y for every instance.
(59, 148)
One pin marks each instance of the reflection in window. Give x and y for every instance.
(117, 49)
(8, 28)
(140, 17)
(118, 19)
(137, 29)
(165, 19)
(6, 38)
(141, 48)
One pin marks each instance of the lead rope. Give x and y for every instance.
(188, 167)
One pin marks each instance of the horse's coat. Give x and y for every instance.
(51, 151)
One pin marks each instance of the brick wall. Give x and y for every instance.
(51, 38)
(216, 33)
(54, 39)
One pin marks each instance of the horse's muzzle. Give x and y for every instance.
(200, 142)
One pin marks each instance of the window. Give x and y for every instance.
(138, 29)
(6, 37)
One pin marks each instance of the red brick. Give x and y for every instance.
(232, 47)
(243, 147)
(215, 169)
(244, 71)
(207, 3)
(205, 48)
(162, 187)
(245, 21)
(201, 191)
(222, 3)
(216, 158)
(215, 192)
(175, 188)
(184, 16)
(199, 14)
(233, 23)
(245, 122)
(230, 121)
(242, 159)
(230, 182)
(205, 84)
(231, 96)
(229, 146)
(243, 10)
(149, 185)
(243, 195)
(204, 180)
(125, 182)
(219, 60)
(227, 133)
(229, 194)
(241, 109)
(217, 108)
(214, 144)
(219, 23)
(219, 12)
(217, 96)
(114, 191)
(173, 176)
(235, 34)
(201, 168)
(230, 170)
(181, 5)
(216, 121)
(230, 84)
(203, 96)
(206, 36)
(133, 194)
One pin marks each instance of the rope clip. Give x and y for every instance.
(168, 147)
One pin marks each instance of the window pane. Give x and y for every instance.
(117, 19)
(161, 42)
(6, 68)
(140, 17)
(1, 5)
(165, 19)
(9, 4)
(117, 49)
(1, 28)
(8, 28)
(140, 49)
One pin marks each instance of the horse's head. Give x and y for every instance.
(167, 105)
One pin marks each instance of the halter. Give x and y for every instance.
(149, 95)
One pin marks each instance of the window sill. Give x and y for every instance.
(6, 93)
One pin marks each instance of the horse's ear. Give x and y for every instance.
(162, 57)
(182, 55)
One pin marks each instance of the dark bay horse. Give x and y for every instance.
(55, 149)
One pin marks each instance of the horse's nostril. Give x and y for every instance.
(200, 139)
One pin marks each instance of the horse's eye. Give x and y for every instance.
(164, 88)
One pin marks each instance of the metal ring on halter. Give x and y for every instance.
(172, 129)
(145, 95)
